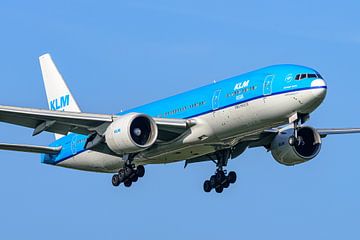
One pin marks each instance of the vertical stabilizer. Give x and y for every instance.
(58, 94)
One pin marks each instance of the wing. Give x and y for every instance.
(329, 131)
(30, 148)
(264, 139)
(83, 123)
(53, 121)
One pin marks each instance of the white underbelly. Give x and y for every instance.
(93, 161)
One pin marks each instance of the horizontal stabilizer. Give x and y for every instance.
(30, 148)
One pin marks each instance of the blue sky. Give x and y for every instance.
(120, 54)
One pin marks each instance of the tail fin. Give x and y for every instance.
(58, 94)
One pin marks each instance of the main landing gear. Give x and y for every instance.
(220, 180)
(128, 174)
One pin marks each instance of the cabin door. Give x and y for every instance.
(267, 90)
(216, 100)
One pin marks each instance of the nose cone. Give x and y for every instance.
(319, 89)
(318, 83)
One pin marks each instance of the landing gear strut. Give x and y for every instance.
(297, 119)
(128, 174)
(220, 180)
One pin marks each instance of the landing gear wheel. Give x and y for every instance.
(226, 184)
(128, 171)
(292, 141)
(296, 141)
(121, 176)
(220, 176)
(207, 186)
(127, 183)
(213, 181)
(140, 171)
(219, 189)
(220, 179)
(115, 180)
(134, 178)
(232, 177)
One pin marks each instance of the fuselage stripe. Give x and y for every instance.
(254, 98)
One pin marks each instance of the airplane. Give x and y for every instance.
(218, 122)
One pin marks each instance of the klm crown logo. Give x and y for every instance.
(60, 102)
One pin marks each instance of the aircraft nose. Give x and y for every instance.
(319, 88)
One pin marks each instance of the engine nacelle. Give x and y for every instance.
(131, 133)
(307, 149)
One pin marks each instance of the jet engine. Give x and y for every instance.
(306, 148)
(131, 133)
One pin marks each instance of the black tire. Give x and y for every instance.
(207, 186)
(127, 183)
(292, 140)
(134, 178)
(127, 172)
(121, 176)
(219, 189)
(115, 180)
(213, 181)
(219, 176)
(226, 183)
(140, 170)
(232, 177)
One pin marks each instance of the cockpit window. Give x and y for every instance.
(307, 75)
(312, 75)
(302, 76)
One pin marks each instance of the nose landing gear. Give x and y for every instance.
(297, 119)
(220, 179)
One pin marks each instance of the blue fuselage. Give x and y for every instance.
(265, 82)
